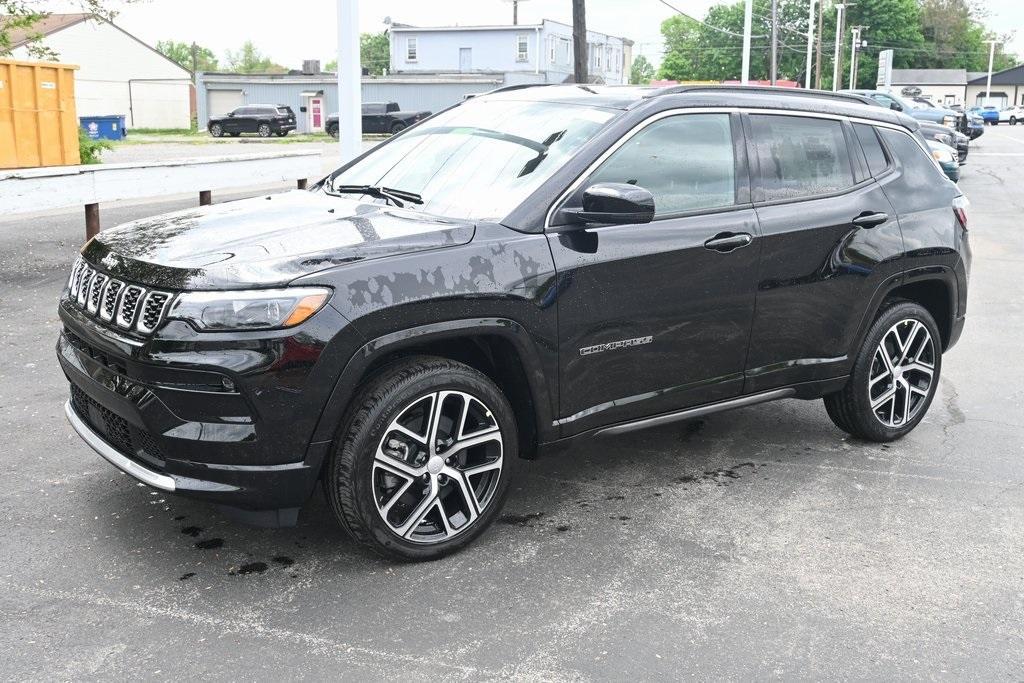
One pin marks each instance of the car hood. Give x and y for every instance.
(265, 241)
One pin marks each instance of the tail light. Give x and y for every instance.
(960, 205)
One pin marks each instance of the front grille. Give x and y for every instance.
(130, 307)
(133, 442)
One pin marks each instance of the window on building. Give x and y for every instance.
(552, 50)
(685, 161)
(522, 48)
(410, 49)
(598, 51)
(567, 50)
(800, 156)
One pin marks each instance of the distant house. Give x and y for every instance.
(524, 53)
(118, 73)
(957, 86)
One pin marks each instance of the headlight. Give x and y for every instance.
(943, 156)
(258, 309)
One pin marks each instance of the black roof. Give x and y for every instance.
(1012, 76)
(750, 97)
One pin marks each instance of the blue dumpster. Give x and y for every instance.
(104, 127)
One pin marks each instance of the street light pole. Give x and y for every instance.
(854, 45)
(775, 41)
(748, 21)
(350, 115)
(810, 46)
(991, 58)
(839, 46)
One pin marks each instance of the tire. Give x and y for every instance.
(264, 130)
(911, 335)
(216, 130)
(397, 127)
(1013, 120)
(399, 497)
(333, 131)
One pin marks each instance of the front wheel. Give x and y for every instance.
(216, 130)
(894, 376)
(424, 461)
(264, 130)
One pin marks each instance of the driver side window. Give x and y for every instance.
(685, 161)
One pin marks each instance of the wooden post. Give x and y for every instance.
(301, 183)
(205, 198)
(92, 221)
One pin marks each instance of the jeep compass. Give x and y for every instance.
(525, 268)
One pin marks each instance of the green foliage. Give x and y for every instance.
(374, 53)
(22, 15)
(922, 33)
(641, 72)
(181, 53)
(249, 60)
(89, 150)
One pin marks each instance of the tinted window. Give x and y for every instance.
(877, 162)
(801, 157)
(244, 111)
(919, 174)
(686, 161)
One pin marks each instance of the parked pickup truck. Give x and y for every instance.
(917, 110)
(381, 117)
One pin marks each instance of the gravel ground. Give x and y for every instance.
(761, 543)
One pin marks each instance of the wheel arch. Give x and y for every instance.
(498, 347)
(934, 288)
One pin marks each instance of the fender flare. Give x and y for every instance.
(510, 330)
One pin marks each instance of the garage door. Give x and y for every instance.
(220, 102)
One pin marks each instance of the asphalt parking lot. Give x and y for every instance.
(758, 543)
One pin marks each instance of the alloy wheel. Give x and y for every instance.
(902, 371)
(437, 466)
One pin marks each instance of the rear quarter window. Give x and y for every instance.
(920, 177)
(800, 157)
(877, 162)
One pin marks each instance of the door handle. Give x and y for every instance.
(869, 220)
(728, 241)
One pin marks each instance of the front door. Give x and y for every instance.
(656, 317)
(465, 59)
(316, 114)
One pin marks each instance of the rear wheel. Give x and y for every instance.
(1013, 120)
(264, 130)
(425, 460)
(397, 127)
(333, 131)
(894, 377)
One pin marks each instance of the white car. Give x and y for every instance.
(1012, 115)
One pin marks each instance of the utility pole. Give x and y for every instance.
(991, 58)
(748, 21)
(817, 59)
(515, 10)
(775, 41)
(854, 48)
(837, 61)
(350, 116)
(579, 39)
(810, 46)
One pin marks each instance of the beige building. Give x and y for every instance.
(118, 73)
(957, 86)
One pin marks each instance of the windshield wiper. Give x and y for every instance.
(396, 197)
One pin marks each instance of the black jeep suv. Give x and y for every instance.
(527, 267)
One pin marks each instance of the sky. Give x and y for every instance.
(307, 29)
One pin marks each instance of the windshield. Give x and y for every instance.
(479, 160)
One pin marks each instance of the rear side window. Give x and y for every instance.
(284, 111)
(800, 157)
(877, 163)
(919, 176)
(686, 161)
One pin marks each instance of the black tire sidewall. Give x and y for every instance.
(359, 449)
(866, 423)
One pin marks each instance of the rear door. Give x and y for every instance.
(655, 317)
(830, 240)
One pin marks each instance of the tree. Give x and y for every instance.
(181, 53)
(641, 72)
(17, 16)
(249, 60)
(955, 37)
(374, 53)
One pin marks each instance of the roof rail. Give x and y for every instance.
(510, 88)
(764, 90)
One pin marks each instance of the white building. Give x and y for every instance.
(522, 53)
(957, 86)
(118, 73)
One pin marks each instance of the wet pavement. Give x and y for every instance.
(757, 543)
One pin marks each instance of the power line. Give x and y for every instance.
(703, 23)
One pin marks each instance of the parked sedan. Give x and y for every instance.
(263, 119)
(989, 114)
(381, 117)
(947, 158)
(1012, 115)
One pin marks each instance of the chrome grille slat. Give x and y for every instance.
(116, 302)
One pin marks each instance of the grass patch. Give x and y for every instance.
(162, 131)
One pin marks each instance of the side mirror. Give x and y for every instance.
(615, 203)
(895, 106)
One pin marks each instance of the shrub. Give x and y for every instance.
(89, 150)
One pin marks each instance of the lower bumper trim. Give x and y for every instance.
(115, 457)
